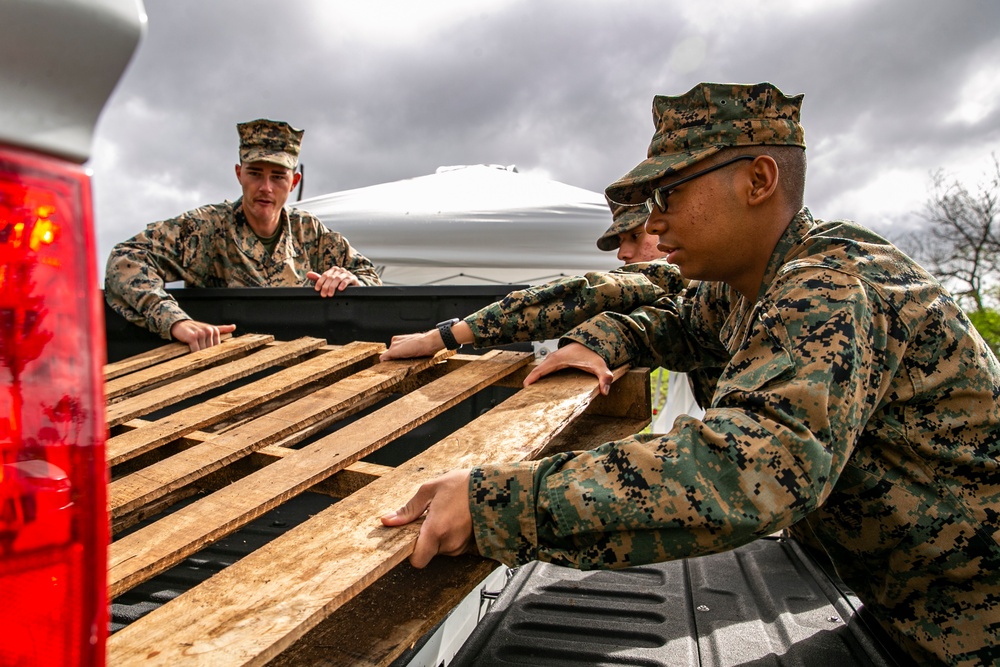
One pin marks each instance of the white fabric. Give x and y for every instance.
(471, 225)
(680, 400)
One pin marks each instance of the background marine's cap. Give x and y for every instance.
(269, 141)
(703, 121)
(624, 219)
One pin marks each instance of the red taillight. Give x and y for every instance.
(53, 515)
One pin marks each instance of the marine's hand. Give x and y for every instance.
(574, 355)
(199, 335)
(332, 280)
(448, 527)
(408, 346)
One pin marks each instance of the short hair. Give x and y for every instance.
(791, 161)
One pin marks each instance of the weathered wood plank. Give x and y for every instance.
(185, 364)
(254, 609)
(138, 441)
(146, 552)
(192, 385)
(376, 627)
(131, 492)
(146, 359)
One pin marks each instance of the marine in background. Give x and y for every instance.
(255, 241)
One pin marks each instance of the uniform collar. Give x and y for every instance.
(793, 236)
(241, 217)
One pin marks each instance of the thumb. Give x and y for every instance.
(226, 328)
(408, 513)
(604, 381)
(312, 275)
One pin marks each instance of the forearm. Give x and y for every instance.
(548, 311)
(137, 292)
(643, 499)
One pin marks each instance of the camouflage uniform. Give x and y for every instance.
(858, 409)
(215, 246)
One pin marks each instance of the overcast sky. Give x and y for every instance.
(894, 89)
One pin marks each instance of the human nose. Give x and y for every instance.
(654, 223)
(623, 254)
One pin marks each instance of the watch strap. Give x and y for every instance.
(444, 328)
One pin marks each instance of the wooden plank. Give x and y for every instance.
(251, 611)
(138, 441)
(185, 364)
(374, 628)
(146, 359)
(155, 481)
(151, 550)
(150, 401)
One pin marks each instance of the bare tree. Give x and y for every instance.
(962, 246)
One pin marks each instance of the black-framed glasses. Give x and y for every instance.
(659, 198)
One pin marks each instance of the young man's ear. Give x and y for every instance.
(764, 179)
(296, 177)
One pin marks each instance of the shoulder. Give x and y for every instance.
(841, 255)
(298, 216)
(209, 213)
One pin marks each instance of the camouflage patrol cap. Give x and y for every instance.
(624, 219)
(703, 121)
(269, 141)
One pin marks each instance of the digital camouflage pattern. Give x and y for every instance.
(624, 218)
(859, 410)
(703, 121)
(274, 141)
(214, 246)
(547, 311)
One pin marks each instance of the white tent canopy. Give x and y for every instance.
(471, 224)
(481, 223)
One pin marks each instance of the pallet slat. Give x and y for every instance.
(144, 553)
(161, 478)
(205, 380)
(155, 356)
(251, 611)
(184, 364)
(138, 441)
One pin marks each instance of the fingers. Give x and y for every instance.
(413, 345)
(574, 355)
(409, 512)
(332, 281)
(199, 335)
(447, 529)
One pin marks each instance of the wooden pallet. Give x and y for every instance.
(336, 589)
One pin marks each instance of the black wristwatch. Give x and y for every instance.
(444, 328)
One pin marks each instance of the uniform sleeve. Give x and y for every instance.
(788, 412)
(335, 250)
(680, 332)
(547, 311)
(139, 268)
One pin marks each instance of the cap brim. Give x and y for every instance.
(634, 187)
(284, 159)
(629, 219)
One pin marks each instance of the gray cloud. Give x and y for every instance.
(556, 86)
